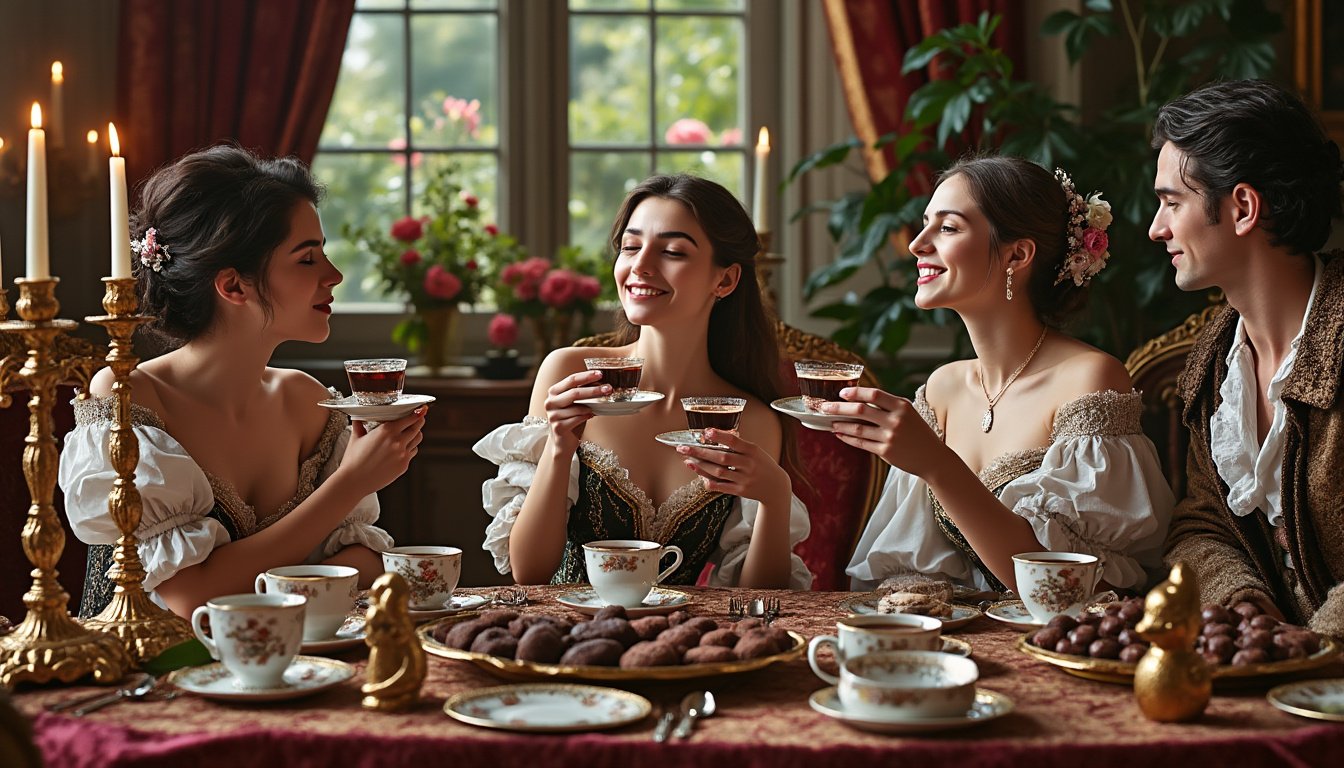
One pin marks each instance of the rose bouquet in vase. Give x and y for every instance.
(554, 296)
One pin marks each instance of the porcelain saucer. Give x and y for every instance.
(351, 634)
(793, 406)
(376, 414)
(548, 707)
(687, 437)
(1014, 614)
(604, 407)
(306, 675)
(867, 604)
(1317, 699)
(455, 604)
(989, 705)
(660, 600)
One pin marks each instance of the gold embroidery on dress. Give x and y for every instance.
(655, 524)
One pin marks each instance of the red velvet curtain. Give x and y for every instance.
(192, 73)
(870, 38)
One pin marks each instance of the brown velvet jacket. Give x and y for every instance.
(1243, 557)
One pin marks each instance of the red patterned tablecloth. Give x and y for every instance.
(763, 721)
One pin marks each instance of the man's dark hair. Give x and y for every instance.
(1256, 132)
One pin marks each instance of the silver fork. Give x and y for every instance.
(510, 596)
(737, 607)
(772, 608)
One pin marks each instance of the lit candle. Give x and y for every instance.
(91, 157)
(121, 223)
(39, 268)
(758, 200)
(57, 127)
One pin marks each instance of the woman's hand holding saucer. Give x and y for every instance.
(564, 416)
(887, 426)
(379, 456)
(743, 470)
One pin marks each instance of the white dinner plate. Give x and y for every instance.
(306, 675)
(687, 437)
(867, 604)
(989, 705)
(351, 634)
(793, 406)
(1317, 699)
(660, 600)
(548, 707)
(377, 413)
(604, 407)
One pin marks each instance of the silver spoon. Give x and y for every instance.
(125, 692)
(133, 683)
(695, 706)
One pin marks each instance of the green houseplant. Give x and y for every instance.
(1174, 46)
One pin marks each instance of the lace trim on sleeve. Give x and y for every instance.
(1099, 414)
(98, 410)
(923, 408)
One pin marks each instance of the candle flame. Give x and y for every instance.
(763, 138)
(91, 137)
(37, 115)
(112, 139)
(2, 143)
(57, 72)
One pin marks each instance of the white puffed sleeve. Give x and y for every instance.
(902, 536)
(358, 526)
(516, 449)
(736, 537)
(1102, 495)
(175, 495)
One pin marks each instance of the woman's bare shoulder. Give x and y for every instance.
(1085, 369)
(145, 384)
(946, 381)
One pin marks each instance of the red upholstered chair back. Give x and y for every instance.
(839, 483)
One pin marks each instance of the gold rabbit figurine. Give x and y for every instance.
(1172, 682)
(396, 660)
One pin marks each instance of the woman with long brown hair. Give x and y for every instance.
(685, 271)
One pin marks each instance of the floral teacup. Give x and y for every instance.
(1054, 583)
(859, 635)
(907, 685)
(330, 590)
(254, 636)
(430, 572)
(624, 571)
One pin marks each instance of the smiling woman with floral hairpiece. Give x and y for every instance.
(1035, 443)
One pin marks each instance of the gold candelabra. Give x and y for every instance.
(48, 643)
(144, 628)
(765, 269)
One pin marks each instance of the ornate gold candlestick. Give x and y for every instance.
(144, 628)
(48, 643)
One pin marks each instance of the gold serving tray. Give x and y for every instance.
(1116, 671)
(528, 670)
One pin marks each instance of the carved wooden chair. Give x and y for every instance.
(1154, 367)
(840, 484)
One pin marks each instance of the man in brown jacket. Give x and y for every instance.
(1247, 184)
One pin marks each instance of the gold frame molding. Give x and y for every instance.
(1309, 64)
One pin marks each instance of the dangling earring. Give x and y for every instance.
(1010, 284)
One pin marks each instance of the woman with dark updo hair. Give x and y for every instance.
(1035, 443)
(240, 470)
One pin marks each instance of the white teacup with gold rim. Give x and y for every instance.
(254, 636)
(430, 572)
(907, 685)
(624, 571)
(330, 589)
(857, 635)
(1054, 583)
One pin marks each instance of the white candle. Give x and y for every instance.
(91, 156)
(121, 223)
(57, 105)
(759, 194)
(39, 268)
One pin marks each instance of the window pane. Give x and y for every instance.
(478, 174)
(699, 60)
(608, 5)
(364, 5)
(367, 108)
(435, 5)
(454, 80)
(698, 5)
(598, 183)
(609, 80)
(723, 167)
(362, 190)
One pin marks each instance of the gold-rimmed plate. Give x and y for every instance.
(1317, 699)
(1116, 671)
(528, 670)
(548, 707)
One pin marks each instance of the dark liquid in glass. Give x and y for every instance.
(818, 388)
(624, 380)
(724, 417)
(377, 382)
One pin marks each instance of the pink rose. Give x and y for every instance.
(512, 274)
(471, 200)
(535, 268)
(442, 284)
(1095, 241)
(410, 258)
(407, 229)
(687, 130)
(472, 265)
(400, 159)
(491, 230)
(503, 331)
(731, 137)
(589, 288)
(525, 291)
(559, 289)
(469, 112)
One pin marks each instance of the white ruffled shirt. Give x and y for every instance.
(176, 496)
(1252, 470)
(1101, 494)
(516, 449)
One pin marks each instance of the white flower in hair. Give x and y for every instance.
(1098, 212)
(152, 253)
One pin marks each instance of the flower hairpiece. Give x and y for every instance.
(152, 253)
(1089, 218)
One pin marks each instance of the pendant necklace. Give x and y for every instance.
(987, 421)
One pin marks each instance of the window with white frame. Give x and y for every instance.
(635, 87)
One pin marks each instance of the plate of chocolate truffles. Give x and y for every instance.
(608, 646)
(1240, 643)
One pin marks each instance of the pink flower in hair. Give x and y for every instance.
(1095, 241)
